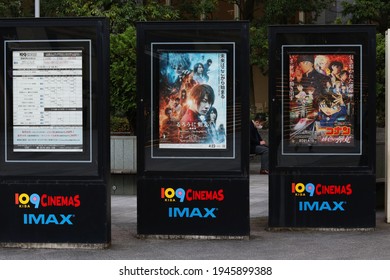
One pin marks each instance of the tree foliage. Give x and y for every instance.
(370, 12)
(11, 8)
(260, 14)
(123, 75)
(375, 12)
(122, 15)
(380, 79)
(197, 9)
(285, 11)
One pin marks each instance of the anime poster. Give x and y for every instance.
(321, 100)
(192, 100)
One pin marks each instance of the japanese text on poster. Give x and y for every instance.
(192, 100)
(47, 101)
(321, 99)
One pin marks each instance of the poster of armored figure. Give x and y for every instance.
(321, 99)
(192, 99)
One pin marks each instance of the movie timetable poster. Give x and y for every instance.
(321, 99)
(47, 100)
(192, 99)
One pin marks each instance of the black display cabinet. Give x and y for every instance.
(192, 136)
(54, 132)
(322, 129)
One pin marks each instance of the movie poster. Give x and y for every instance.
(321, 100)
(192, 100)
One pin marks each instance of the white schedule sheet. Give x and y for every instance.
(47, 100)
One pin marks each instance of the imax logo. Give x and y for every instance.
(321, 206)
(42, 219)
(176, 212)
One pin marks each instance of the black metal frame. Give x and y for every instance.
(323, 159)
(202, 169)
(77, 183)
(234, 160)
(352, 165)
(62, 34)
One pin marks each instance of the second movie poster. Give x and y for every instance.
(321, 99)
(192, 100)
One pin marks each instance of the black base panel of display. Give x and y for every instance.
(322, 201)
(55, 213)
(206, 207)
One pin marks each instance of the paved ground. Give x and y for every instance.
(262, 244)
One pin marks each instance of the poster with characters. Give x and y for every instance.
(321, 99)
(192, 94)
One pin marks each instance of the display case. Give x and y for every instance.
(192, 85)
(322, 133)
(54, 132)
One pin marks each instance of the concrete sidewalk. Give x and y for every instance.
(262, 244)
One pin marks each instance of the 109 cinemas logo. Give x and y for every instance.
(171, 195)
(44, 201)
(317, 190)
